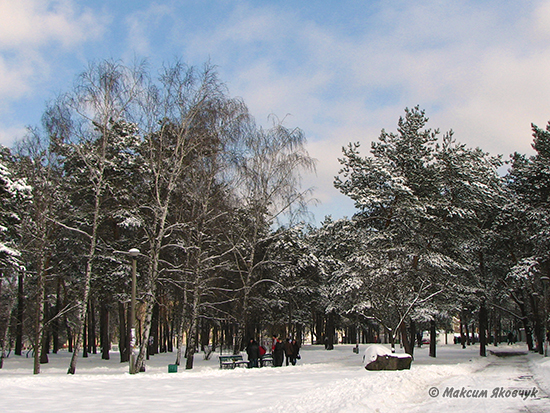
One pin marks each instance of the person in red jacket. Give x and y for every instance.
(263, 351)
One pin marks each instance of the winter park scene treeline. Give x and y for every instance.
(172, 175)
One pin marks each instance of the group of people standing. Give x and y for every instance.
(279, 350)
(289, 349)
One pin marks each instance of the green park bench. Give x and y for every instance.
(230, 362)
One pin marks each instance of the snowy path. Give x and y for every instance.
(505, 384)
(323, 381)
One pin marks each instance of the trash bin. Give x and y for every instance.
(172, 368)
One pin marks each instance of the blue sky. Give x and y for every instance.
(341, 70)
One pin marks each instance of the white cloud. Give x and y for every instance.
(480, 69)
(31, 23)
(541, 21)
(142, 24)
(30, 32)
(10, 134)
(34, 36)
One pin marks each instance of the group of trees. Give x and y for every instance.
(178, 169)
(172, 166)
(439, 233)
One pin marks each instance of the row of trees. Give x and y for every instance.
(172, 166)
(439, 233)
(177, 168)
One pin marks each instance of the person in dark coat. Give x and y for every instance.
(253, 351)
(278, 353)
(295, 352)
(288, 350)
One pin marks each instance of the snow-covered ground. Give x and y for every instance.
(322, 381)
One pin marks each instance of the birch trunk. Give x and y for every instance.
(83, 304)
(41, 294)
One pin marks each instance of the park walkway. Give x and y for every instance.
(506, 383)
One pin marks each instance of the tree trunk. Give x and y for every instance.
(319, 328)
(215, 337)
(526, 323)
(241, 325)
(299, 333)
(433, 338)
(154, 333)
(496, 326)
(151, 287)
(104, 335)
(162, 332)
(45, 348)
(191, 343)
(181, 330)
(81, 322)
(56, 322)
(179, 342)
(205, 335)
(20, 315)
(41, 298)
(528, 335)
(330, 331)
(92, 339)
(537, 325)
(83, 304)
(462, 336)
(405, 339)
(171, 334)
(84, 338)
(482, 331)
(4, 330)
(392, 339)
(123, 341)
(412, 337)
(146, 327)
(69, 335)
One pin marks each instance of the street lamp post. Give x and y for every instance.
(134, 252)
(545, 280)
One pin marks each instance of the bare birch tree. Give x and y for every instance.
(184, 120)
(105, 93)
(270, 187)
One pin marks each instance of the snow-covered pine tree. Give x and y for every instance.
(529, 181)
(15, 195)
(471, 196)
(400, 262)
(339, 293)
